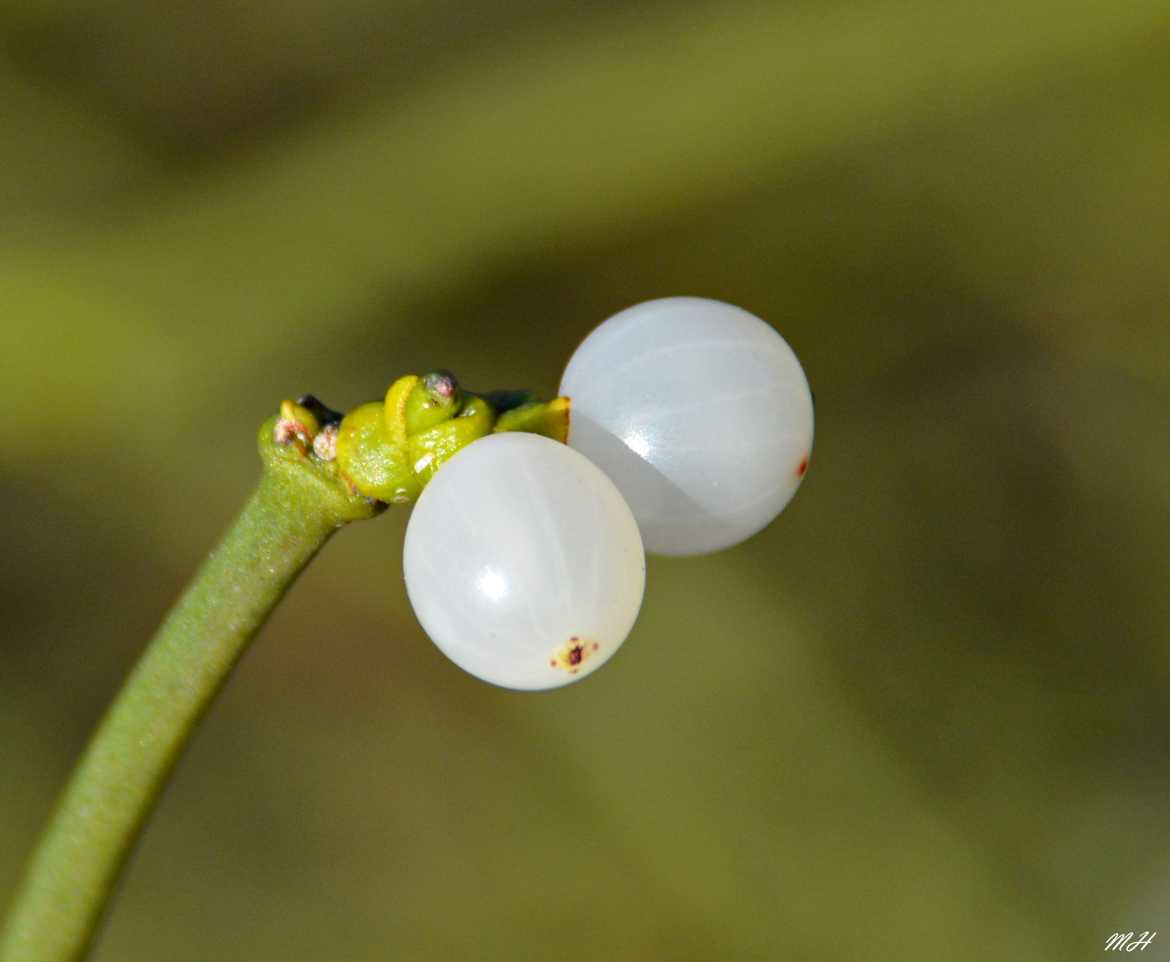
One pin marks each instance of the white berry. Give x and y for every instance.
(523, 562)
(699, 412)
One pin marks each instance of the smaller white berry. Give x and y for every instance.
(523, 562)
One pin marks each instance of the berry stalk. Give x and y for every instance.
(292, 513)
(321, 471)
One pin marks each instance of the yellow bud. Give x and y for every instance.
(395, 413)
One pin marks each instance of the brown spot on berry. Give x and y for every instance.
(802, 467)
(574, 654)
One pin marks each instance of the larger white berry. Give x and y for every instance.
(523, 562)
(699, 412)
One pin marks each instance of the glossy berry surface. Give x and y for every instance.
(699, 412)
(523, 562)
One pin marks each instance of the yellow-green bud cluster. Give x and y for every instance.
(388, 450)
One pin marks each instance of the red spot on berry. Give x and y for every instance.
(574, 654)
(802, 467)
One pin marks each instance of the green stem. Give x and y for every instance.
(291, 514)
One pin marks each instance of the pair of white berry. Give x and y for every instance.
(691, 429)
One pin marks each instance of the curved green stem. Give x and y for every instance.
(291, 514)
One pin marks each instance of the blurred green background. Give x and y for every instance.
(922, 716)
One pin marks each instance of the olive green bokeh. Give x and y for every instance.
(922, 715)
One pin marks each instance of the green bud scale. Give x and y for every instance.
(388, 450)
